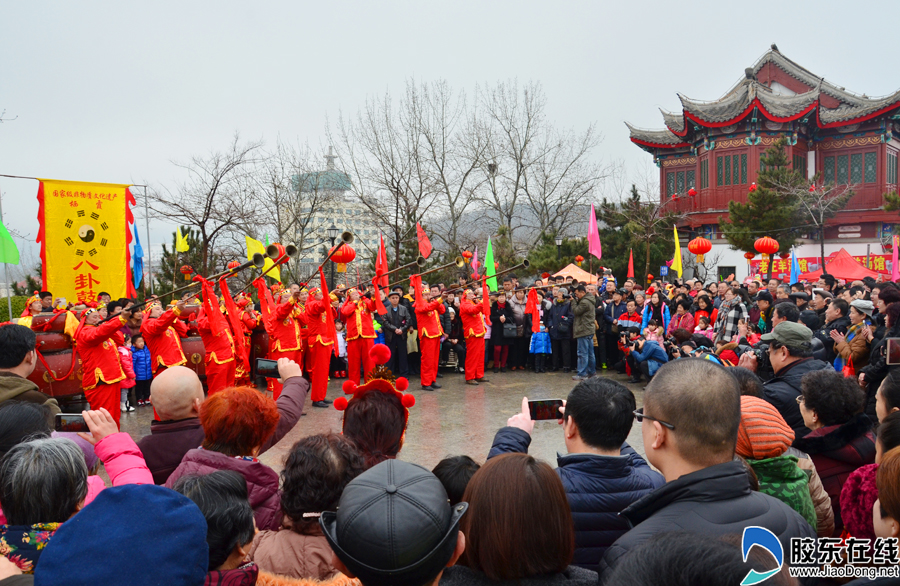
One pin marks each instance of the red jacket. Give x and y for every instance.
(283, 327)
(472, 318)
(163, 337)
(219, 346)
(428, 320)
(250, 321)
(358, 318)
(317, 315)
(99, 355)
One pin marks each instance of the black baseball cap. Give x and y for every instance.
(394, 525)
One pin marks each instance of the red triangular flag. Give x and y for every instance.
(424, 243)
(381, 264)
(326, 299)
(379, 304)
(630, 274)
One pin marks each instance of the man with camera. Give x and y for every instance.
(645, 358)
(788, 348)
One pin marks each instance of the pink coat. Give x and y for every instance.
(127, 366)
(123, 462)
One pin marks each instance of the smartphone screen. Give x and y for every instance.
(267, 368)
(545, 409)
(70, 422)
(893, 351)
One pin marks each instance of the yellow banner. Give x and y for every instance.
(257, 246)
(84, 239)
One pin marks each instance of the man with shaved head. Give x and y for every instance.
(689, 423)
(177, 397)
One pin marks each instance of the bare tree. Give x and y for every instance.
(815, 205)
(536, 174)
(290, 187)
(382, 150)
(214, 197)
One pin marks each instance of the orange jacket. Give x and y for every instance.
(317, 315)
(472, 315)
(99, 356)
(219, 346)
(163, 337)
(283, 327)
(358, 318)
(428, 320)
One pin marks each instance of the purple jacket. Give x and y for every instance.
(262, 482)
(169, 441)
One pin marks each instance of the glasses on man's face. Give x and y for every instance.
(639, 415)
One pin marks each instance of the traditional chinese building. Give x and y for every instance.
(715, 148)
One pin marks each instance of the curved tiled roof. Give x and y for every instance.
(664, 138)
(842, 114)
(807, 77)
(746, 95)
(674, 122)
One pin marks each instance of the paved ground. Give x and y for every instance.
(457, 419)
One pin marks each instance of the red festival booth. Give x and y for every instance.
(842, 266)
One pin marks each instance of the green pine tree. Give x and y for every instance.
(770, 209)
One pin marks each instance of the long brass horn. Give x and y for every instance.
(522, 265)
(458, 262)
(276, 251)
(347, 237)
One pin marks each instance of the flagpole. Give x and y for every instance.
(6, 271)
(149, 254)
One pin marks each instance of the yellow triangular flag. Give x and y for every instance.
(181, 243)
(257, 246)
(676, 261)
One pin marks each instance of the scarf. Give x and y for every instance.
(851, 333)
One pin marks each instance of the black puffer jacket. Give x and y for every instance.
(783, 390)
(877, 369)
(714, 501)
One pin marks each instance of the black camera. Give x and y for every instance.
(762, 358)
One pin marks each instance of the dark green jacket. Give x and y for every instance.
(584, 311)
(783, 479)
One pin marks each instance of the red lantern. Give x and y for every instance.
(496, 266)
(467, 256)
(692, 192)
(233, 265)
(699, 246)
(749, 255)
(812, 187)
(186, 270)
(579, 259)
(766, 245)
(784, 255)
(675, 196)
(474, 276)
(345, 254)
(752, 187)
(650, 278)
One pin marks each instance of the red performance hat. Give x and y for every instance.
(380, 380)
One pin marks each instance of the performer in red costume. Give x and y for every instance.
(162, 333)
(429, 308)
(101, 369)
(283, 327)
(356, 313)
(321, 343)
(219, 345)
(472, 315)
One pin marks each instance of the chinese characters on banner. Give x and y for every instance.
(782, 266)
(84, 236)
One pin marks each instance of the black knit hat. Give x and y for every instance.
(394, 525)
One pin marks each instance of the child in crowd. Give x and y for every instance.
(754, 334)
(143, 370)
(128, 383)
(540, 347)
(651, 332)
(704, 327)
(339, 362)
(455, 472)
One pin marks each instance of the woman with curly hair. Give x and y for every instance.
(841, 439)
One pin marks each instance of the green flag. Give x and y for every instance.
(8, 252)
(489, 269)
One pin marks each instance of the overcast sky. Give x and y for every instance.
(114, 92)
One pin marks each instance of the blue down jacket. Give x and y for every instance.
(598, 488)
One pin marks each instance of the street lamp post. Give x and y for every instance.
(559, 241)
(332, 233)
